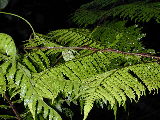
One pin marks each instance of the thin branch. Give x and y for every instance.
(127, 53)
(12, 106)
(95, 49)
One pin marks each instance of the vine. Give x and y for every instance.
(6, 13)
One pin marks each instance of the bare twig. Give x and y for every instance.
(12, 106)
(95, 49)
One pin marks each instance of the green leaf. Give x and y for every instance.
(32, 108)
(7, 117)
(7, 45)
(96, 12)
(5, 106)
(118, 85)
(2, 84)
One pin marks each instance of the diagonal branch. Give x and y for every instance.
(95, 49)
(12, 106)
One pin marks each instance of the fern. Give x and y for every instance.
(96, 63)
(116, 35)
(8, 59)
(60, 38)
(36, 81)
(99, 4)
(90, 75)
(138, 11)
(74, 37)
(18, 75)
(114, 86)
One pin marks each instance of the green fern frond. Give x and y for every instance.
(7, 45)
(138, 11)
(73, 37)
(118, 84)
(2, 84)
(8, 69)
(93, 74)
(43, 41)
(5, 117)
(111, 35)
(33, 91)
(98, 4)
(15, 75)
(36, 107)
(116, 35)
(90, 12)
(82, 75)
(59, 38)
(8, 61)
(75, 71)
(36, 61)
(84, 17)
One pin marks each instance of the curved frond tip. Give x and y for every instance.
(117, 85)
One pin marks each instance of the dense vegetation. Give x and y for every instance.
(102, 62)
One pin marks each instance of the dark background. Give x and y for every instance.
(44, 15)
(48, 15)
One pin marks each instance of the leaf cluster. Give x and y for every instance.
(45, 79)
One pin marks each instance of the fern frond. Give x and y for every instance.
(116, 85)
(2, 84)
(43, 41)
(82, 75)
(7, 45)
(7, 117)
(116, 35)
(36, 107)
(138, 11)
(71, 81)
(59, 38)
(84, 17)
(91, 12)
(73, 37)
(33, 91)
(8, 61)
(16, 75)
(70, 74)
(98, 4)
(36, 61)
